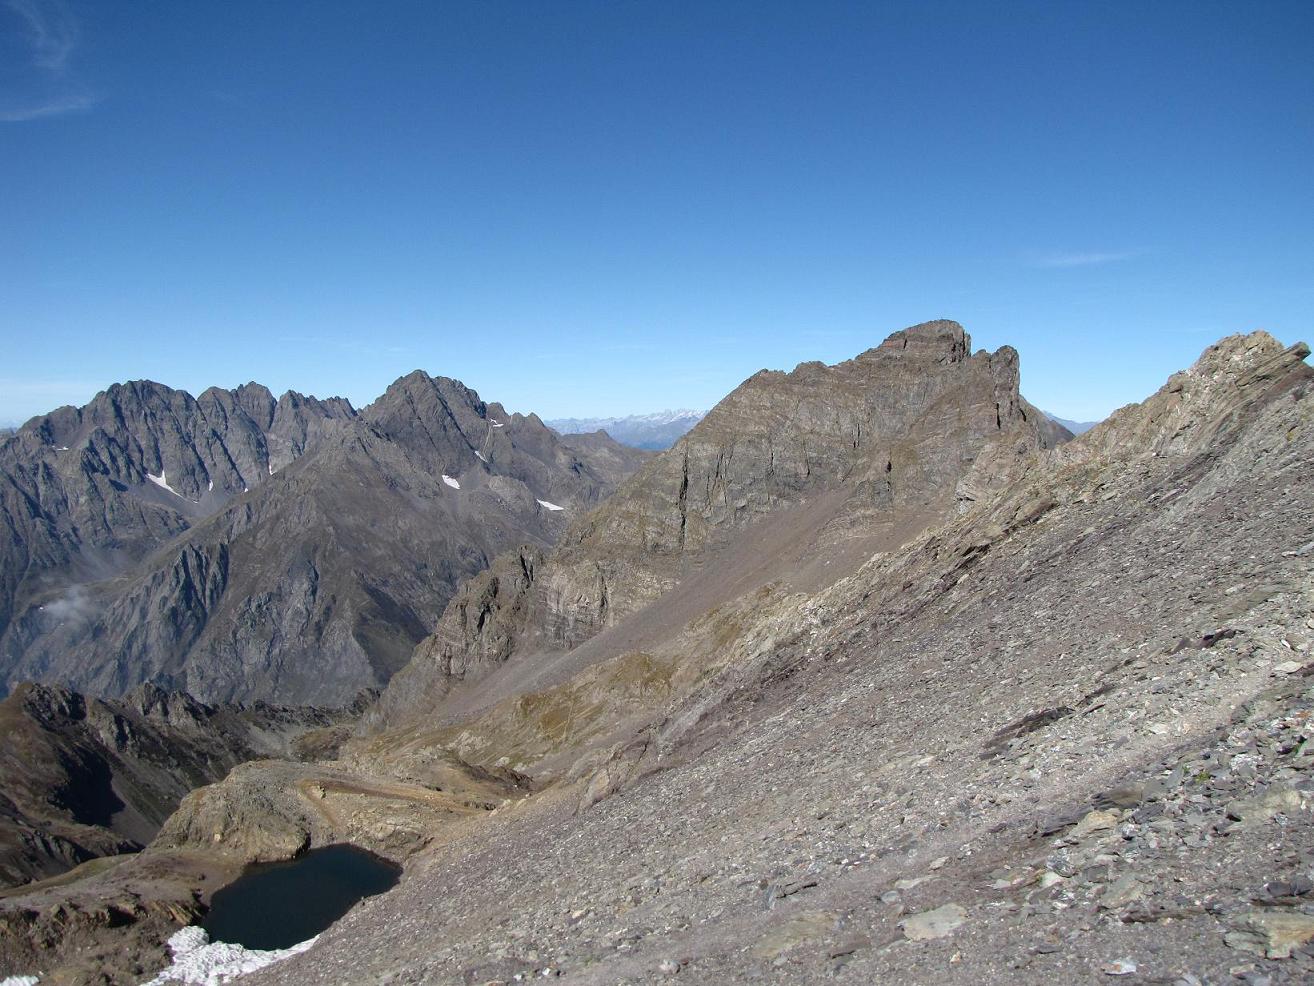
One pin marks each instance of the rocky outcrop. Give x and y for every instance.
(106, 922)
(273, 810)
(82, 777)
(884, 438)
(315, 583)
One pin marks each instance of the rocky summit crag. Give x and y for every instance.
(871, 678)
(238, 548)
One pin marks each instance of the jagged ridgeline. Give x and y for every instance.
(825, 464)
(240, 547)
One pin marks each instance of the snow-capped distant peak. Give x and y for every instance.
(666, 417)
(450, 481)
(658, 430)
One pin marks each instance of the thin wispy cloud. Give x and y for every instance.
(48, 32)
(1092, 258)
(50, 29)
(56, 107)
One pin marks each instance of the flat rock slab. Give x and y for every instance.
(942, 921)
(1272, 934)
(804, 927)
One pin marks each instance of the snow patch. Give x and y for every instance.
(199, 961)
(163, 483)
(211, 486)
(451, 482)
(20, 981)
(271, 469)
(495, 424)
(549, 506)
(481, 456)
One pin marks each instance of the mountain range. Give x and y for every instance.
(1076, 427)
(239, 547)
(877, 674)
(654, 432)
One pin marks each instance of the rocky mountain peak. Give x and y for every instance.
(869, 450)
(424, 409)
(940, 340)
(264, 581)
(1243, 358)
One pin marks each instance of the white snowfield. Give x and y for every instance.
(549, 506)
(19, 981)
(451, 482)
(495, 424)
(163, 484)
(197, 961)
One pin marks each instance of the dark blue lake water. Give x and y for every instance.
(274, 905)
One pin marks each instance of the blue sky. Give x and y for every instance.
(609, 208)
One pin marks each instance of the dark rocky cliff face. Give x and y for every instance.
(241, 548)
(82, 777)
(884, 437)
(87, 492)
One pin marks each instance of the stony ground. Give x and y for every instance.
(1067, 738)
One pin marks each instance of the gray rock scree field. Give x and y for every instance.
(1031, 720)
